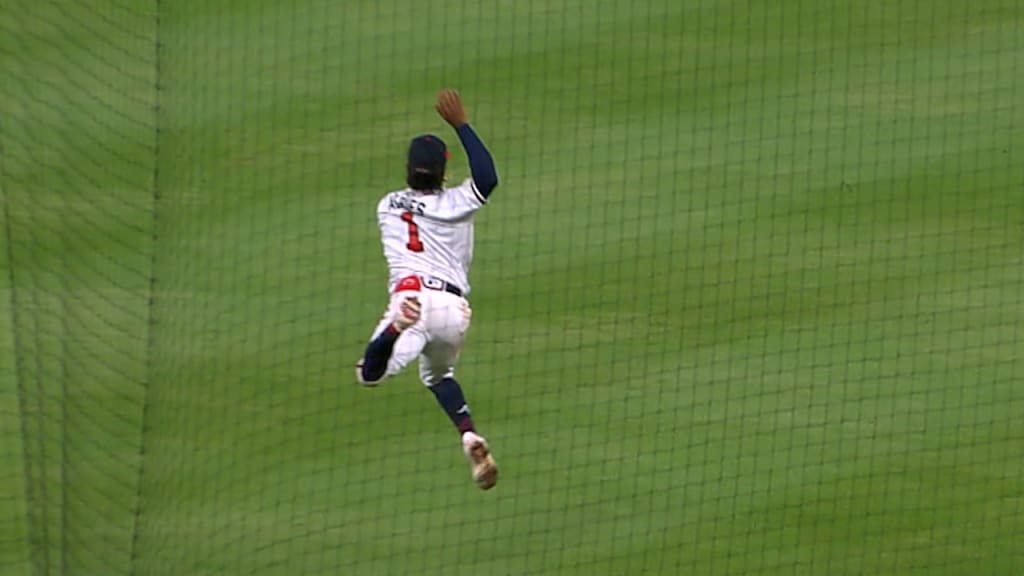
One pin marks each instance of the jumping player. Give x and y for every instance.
(427, 232)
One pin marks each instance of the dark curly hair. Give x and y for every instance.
(424, 180)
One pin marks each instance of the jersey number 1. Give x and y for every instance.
(414, 244)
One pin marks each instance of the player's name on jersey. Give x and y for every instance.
(403, 202)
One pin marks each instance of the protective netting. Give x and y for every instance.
(748, 300)
(76, 173)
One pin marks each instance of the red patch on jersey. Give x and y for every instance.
(409, 283)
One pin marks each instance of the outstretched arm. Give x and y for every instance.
(481, 164)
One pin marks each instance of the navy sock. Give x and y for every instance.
(378, 352)
(449, 396)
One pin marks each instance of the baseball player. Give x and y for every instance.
(427, 232)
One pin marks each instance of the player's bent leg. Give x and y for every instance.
(406, 348)
(372, 368)
(396, 342)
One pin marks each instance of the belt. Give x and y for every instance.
(415, 282)
(438, 284)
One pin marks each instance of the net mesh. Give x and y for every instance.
(748, 300)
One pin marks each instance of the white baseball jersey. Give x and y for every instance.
(430, 233)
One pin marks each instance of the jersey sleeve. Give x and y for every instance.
(382, 205)
(462, 200)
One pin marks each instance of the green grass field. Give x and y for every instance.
(749, 299)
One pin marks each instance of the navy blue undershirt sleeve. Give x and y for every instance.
(481, 164)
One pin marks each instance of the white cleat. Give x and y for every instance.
(485, 469)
